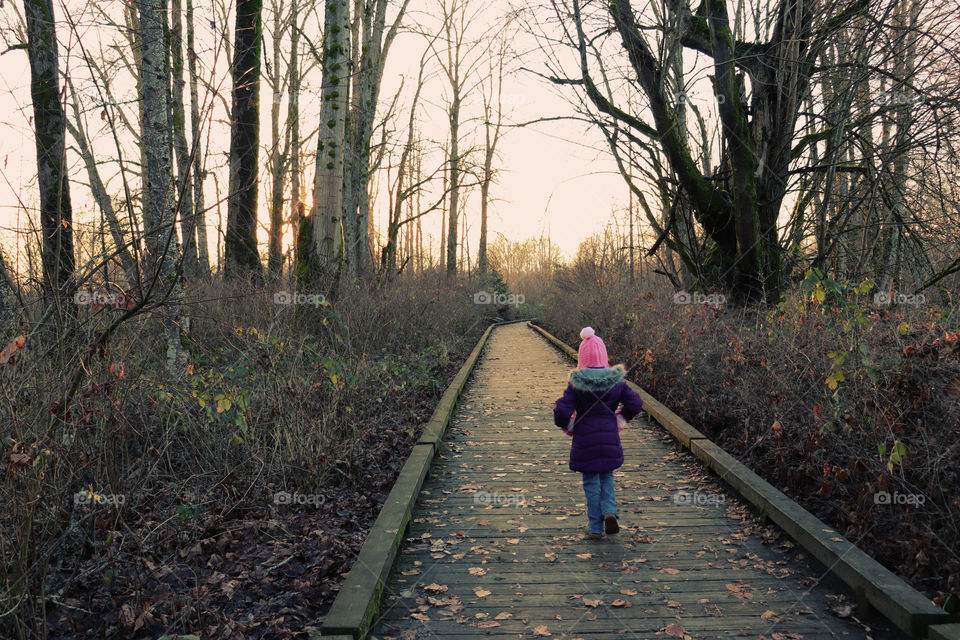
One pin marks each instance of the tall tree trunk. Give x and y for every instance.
(278, 158)
(199, 209)
(164, 279)
(184, 194)
(492, 130)
(240, 251)
(372, 41)
(293, 124)
(329, 177)
(453, 214)
(56, 213)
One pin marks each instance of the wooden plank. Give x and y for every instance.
(945, 632)
(654, 556)
(357, 602)
(437, 425)
(885, 591)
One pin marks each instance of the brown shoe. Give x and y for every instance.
(590, 535)
(610, 524)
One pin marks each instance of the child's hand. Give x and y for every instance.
(569, 428)
(621, 422)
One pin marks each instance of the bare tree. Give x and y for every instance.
(277, 78)
(160, 198)
(56, 214)
(459, 62)
(199, 210)
(185, 197)
(293, 119)
(492, 92)
(371, 46)
(326, 217)
(240, 248)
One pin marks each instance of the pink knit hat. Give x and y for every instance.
(593, 353)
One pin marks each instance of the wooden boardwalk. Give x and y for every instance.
(495, 548)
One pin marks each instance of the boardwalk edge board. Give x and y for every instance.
(945, 632)
(358, 602)
(873, 583)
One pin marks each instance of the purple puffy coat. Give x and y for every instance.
(595, 393)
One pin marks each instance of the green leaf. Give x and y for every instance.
(835, 379)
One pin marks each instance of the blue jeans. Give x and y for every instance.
(601, 500)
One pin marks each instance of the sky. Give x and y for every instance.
(554, 177)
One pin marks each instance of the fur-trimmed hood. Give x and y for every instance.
(597, 380)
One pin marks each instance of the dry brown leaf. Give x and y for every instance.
(503, 615)
(127, 617)
(477, 571)
(675, 630)
(541, 631)
(481, 592)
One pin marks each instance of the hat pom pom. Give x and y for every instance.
(587, 332)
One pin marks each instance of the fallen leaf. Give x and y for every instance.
(541, 631)
(675, 630)
(481, 592)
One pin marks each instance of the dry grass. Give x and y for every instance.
(320, 400)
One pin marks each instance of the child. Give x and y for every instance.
(589, 406)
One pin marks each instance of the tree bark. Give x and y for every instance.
(329, 177)
(199, 209)
(241, 257)
(56, 213)
(184, 193)
(293, 124)
(454, 212)
(164, 280)
(278, 158)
